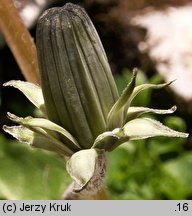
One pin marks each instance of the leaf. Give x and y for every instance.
(110, 140)
(135, 112)
(118, 113)
(31, 91)
(30, 174)
(143, 87)
(40, 123)
(37, 140)
(178, 176)
(142, 128)
(105, 140)
(81, 166)
(116, 117)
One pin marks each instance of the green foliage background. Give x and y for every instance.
(156, 168)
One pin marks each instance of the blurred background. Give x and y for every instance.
(154, 36)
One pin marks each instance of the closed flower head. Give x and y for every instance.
(77, 83)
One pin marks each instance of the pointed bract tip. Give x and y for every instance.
(8, 129)
(11, 116)
(135, 71)
(173, 108)
(12, 83)
(7, 84)
(182, 135)
(5, 127)
(186, 135)
(169, 83)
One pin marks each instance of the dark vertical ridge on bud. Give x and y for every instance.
(73, 87)
(95, 67)
(62, 98)
(51, 83)
(43, 33)
(52, 86)
(86, 92)
(104, 63)
(88, 73)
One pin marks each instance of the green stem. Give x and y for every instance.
(95, 187)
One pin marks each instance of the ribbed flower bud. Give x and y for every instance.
(77, 83)
(86, 117)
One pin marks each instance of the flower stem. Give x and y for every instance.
(95, 187)
(19, 40)
(69, 194)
